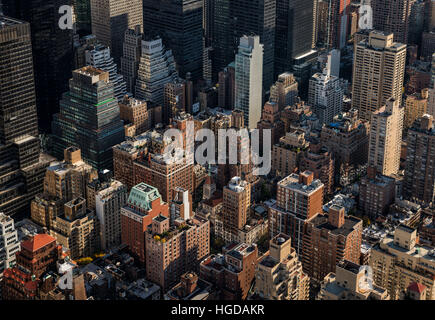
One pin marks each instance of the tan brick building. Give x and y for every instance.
(279, 274)
(399, 260)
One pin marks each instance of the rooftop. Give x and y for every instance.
(142, 196)
(37, 242)
(292, 182)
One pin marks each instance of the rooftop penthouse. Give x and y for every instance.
(141, 197)
(237, 184)
(303, 183)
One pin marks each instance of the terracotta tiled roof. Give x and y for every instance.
(37, 242)
(416, 287)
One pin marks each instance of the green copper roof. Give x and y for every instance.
(142, 195)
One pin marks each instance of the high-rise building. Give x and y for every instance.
(392, 17)
(257, 17)
(77, 229)
(151, 168)
(108, 204)
(38, 254)
(99, 57)
(52, 53)
(350, 282)
(172, 250)
(235, 207)
(270, 120)
(174, 99)
(132, 51)
(337, 22)
(347, 137)
(295, 31)
(180, 25)
(286, 154)
(23, 165)
(431, 102)
(318, 159)
(328, 239)
(111, 19)
(299, 198)
(82, 12)
(279, 274)
(285, 90)
(89, 118)
(138, 115)
(227, 87)
(325, 95)
(419, 179)
(156, 68)
(9, 244)
(249, 77)
(222, 34)
(143, 204)
(415, 107)
(231, 272)
(376, 193)
(399, 260)
(386, 127)
(63, 182)
(378, 72)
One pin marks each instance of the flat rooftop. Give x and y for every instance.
(7, 21)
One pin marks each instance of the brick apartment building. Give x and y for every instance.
(328, 239)
(144, 203)
(231, 272)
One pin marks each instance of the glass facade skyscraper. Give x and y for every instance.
(294, 31)
(258, 17)
(52, 52)
(179, 23)
(22, 165)
(89, 118)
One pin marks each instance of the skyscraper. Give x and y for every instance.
(23, 166)
(131, 57)
(235, 207)
(223, 41)
(325, 95)
(249, 75)
(110, 20)
(52, 52)
(89, 118)
(82, 11)
(284, 91)
(156, 68)
(337, 23)
(386, 127)
(100, 58)
(108, 203)
(378, 72)
(179, 23)
(419, 179)
(295, 31)
(392, 17)
(257, 17)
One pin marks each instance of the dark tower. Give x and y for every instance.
(22, 167)
(180, 24)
